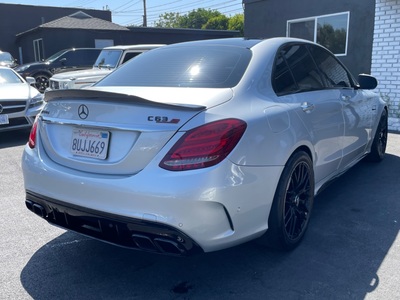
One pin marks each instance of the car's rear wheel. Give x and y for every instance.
(378, 147)
(293, 201)
(42, 81)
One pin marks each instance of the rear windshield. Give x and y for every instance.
(184, 66)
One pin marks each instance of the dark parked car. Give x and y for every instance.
(64, 60)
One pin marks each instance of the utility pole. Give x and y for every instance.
(144, 14)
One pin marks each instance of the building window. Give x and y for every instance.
(330, 31)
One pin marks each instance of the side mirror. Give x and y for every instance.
(367, 82)
(63, 60)
(30, 80)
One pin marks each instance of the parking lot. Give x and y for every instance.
(351, 250)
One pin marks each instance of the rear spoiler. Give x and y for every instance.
(87, 94)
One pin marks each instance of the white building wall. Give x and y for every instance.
(386, 56)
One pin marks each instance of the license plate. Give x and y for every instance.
(4, 119)
(90, 143)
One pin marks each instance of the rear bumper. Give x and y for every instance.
(214, 208)
(122, 231)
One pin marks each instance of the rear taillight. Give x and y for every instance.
(32, 136)
(204, 146)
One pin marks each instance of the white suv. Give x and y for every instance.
(109, 59)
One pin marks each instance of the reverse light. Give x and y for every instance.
(204, 146)
(32, 135)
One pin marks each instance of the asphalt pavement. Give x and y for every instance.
(351, 250)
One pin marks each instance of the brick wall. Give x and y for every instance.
(386, 56)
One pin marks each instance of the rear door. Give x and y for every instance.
(299, 83)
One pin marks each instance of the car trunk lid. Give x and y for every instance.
(113, 133)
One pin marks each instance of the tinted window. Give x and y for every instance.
(333, 72)
(283, 81)
(302, 67)
(90, 56)
(129, 55)
(184, 66)
(69, 59)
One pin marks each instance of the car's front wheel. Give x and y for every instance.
(378, 147)
(42, 82)
(293, 201)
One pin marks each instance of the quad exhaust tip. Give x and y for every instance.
(36, 208)
(158, 245)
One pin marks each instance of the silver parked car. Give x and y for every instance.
(20, 102)
(199, 146)
(6, 60)
(108, 60)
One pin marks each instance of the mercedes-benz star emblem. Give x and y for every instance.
(83, 111)
(1, 108)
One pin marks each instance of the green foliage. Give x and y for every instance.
(220, 23)
(168, 20)
(237, 23)
(197, 18)
(201, 19)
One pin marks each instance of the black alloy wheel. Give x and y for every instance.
(378, 147)
(293, 202)
(42, 82)
(297, 201)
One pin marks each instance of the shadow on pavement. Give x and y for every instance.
(355, 222)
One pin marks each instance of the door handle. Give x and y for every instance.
(307, 107)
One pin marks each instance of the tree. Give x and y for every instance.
(168, 20)
(237, 23)
(202, 19)
(219, 23)
(197, 18)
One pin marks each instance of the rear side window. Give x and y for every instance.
(334, 73)
(304, 70)
(295, 71)
(129, 55)
(183, 66)
(283, 78)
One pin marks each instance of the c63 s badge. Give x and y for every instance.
(162, 119)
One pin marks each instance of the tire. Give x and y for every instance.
(292, 204)
(42, 81)
(378, 147)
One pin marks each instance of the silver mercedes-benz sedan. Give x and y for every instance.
(20, 102)
(199, 146)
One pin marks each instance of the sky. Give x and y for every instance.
(130, 12)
